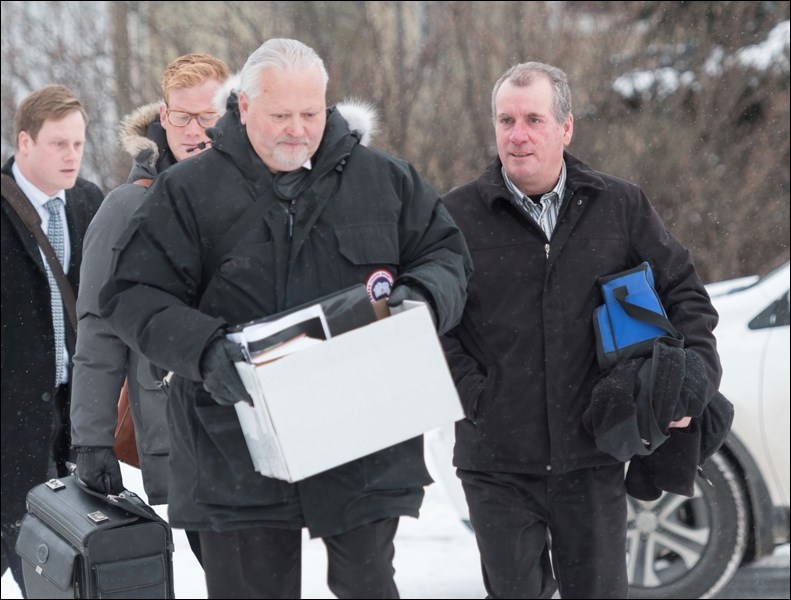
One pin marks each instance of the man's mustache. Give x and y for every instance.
(302, 141)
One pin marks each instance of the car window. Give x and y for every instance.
(777, 314)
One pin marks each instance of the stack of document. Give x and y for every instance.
(260, 336)
(295, 344)
(269, 339)
(262, 343)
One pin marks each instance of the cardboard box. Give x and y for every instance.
(348, 396)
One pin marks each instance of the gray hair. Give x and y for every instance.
(282, 54)
(524, 74)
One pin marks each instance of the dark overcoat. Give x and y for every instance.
(524, 355)
(27, 342)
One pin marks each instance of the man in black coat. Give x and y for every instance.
(332, 213)
(542, 226)
(36, 365)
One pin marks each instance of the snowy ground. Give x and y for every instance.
(435, 557)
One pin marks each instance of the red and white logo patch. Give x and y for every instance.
(379, 284)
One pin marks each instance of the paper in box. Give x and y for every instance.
(329, 315)
(348, 396)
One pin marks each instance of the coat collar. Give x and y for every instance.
(579, 176)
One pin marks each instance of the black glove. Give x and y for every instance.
(220, 378)
(409, 292)
(99, 469)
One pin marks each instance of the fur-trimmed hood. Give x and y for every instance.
(362, 118)
(143, 138)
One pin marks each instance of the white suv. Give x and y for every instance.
(682, 547)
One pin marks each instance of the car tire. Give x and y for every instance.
(680, 547)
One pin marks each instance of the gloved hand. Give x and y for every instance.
(99, 469)
(220, 378)
(409, 292)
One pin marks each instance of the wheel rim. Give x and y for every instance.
(666, 538)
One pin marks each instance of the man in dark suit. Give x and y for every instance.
(37, 341)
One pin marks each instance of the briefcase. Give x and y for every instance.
(75, 543)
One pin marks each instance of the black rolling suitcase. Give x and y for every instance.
(75, 543)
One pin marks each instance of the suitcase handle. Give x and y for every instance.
(126, 500)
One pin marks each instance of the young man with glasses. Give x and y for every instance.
(157, 136)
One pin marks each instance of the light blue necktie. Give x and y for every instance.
(57, 239)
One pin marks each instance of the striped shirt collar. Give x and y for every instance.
(558, 189)
(545, 212)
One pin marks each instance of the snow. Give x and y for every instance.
(436, 556)
(662, 82)
(772, 51)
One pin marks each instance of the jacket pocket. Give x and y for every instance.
(484, 394)
(154, 436)
(471, 389)
(369, 243)
(148, 376)
(225, 470)
(245, 275)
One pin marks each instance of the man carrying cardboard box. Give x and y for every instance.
(287, 206)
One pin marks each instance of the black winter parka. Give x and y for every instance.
(357, 211)
(524, 357)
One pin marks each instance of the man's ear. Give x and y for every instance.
(568, 130)
(163, 115)
(244, 106)
(23, 141)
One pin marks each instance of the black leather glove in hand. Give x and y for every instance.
(99, 469)
(408, 292)
(220, 378)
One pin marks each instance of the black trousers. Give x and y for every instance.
(193, 537)
(265, 562)
(583, 510)
(61, 430)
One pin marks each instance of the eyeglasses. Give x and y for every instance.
(179, 118)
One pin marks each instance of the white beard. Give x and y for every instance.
(290, 159)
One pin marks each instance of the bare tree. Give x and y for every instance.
(66, 43)
(665, 93)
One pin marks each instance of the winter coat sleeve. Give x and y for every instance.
(433, 255)
(100, 364)
(156, 279)
(682, 291)
(101, 358)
